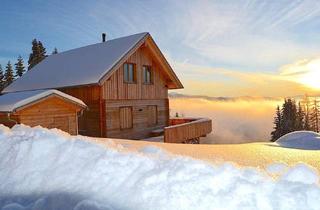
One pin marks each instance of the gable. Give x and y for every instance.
(115, 87)
(152, 50)
(11, 102)
(54, 104)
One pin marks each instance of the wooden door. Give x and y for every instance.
(126, 119)
(152, 115)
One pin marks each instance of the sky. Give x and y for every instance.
(217, 48)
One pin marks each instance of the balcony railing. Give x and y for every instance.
(187, 130)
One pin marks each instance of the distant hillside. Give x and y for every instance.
(242, 98)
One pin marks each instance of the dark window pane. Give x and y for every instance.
(125, 72)
(144, 74)
(130, 73)
(147, 74)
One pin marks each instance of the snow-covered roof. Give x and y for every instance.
(10, 102)
(81, 66)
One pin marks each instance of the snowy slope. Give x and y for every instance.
(48, 169)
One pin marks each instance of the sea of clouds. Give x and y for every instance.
(235, 120)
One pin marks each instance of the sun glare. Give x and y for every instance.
(312, 77)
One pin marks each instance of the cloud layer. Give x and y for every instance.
(234, 121)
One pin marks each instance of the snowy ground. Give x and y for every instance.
(48, 169)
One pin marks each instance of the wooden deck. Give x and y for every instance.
(187, 130)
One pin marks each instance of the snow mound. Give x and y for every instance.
(301, 173)
(49, 169)
(153, 150)
(276, 168)
(307, 140)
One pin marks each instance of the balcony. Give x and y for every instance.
(187, 130)
(183, 130)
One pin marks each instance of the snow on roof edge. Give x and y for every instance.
(44, 94)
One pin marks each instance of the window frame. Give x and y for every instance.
(145, 69)
(134, 74)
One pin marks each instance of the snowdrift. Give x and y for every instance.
(308, 140)
(48, 169)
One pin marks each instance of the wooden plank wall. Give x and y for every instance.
(51, 113)
(139, 96)
(115, 89)
(92, 121)
(141, 125)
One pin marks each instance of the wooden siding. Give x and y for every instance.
(92, 121)
(187, 130)
(141, 127)
(116, 89)
(53, 112)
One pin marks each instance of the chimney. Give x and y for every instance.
(103, 37)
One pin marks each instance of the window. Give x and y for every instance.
(129, 74)
(147, 74)
(152, 115)
(126, 120)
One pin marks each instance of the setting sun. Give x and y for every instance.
(312, 77)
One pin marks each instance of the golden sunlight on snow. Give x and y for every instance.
(249, 155)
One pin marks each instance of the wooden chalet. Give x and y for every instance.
(123, 82)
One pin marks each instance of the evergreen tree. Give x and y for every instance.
(42, 51)
(288, 119)
(19, 67)
(277, 132)
(306, 109)
(37, 55)
(314, 116)
(306, 123)
(1, 79)
(33, 57)
(289, 112)
(300, 118)
(55, 51)
(8, 75)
